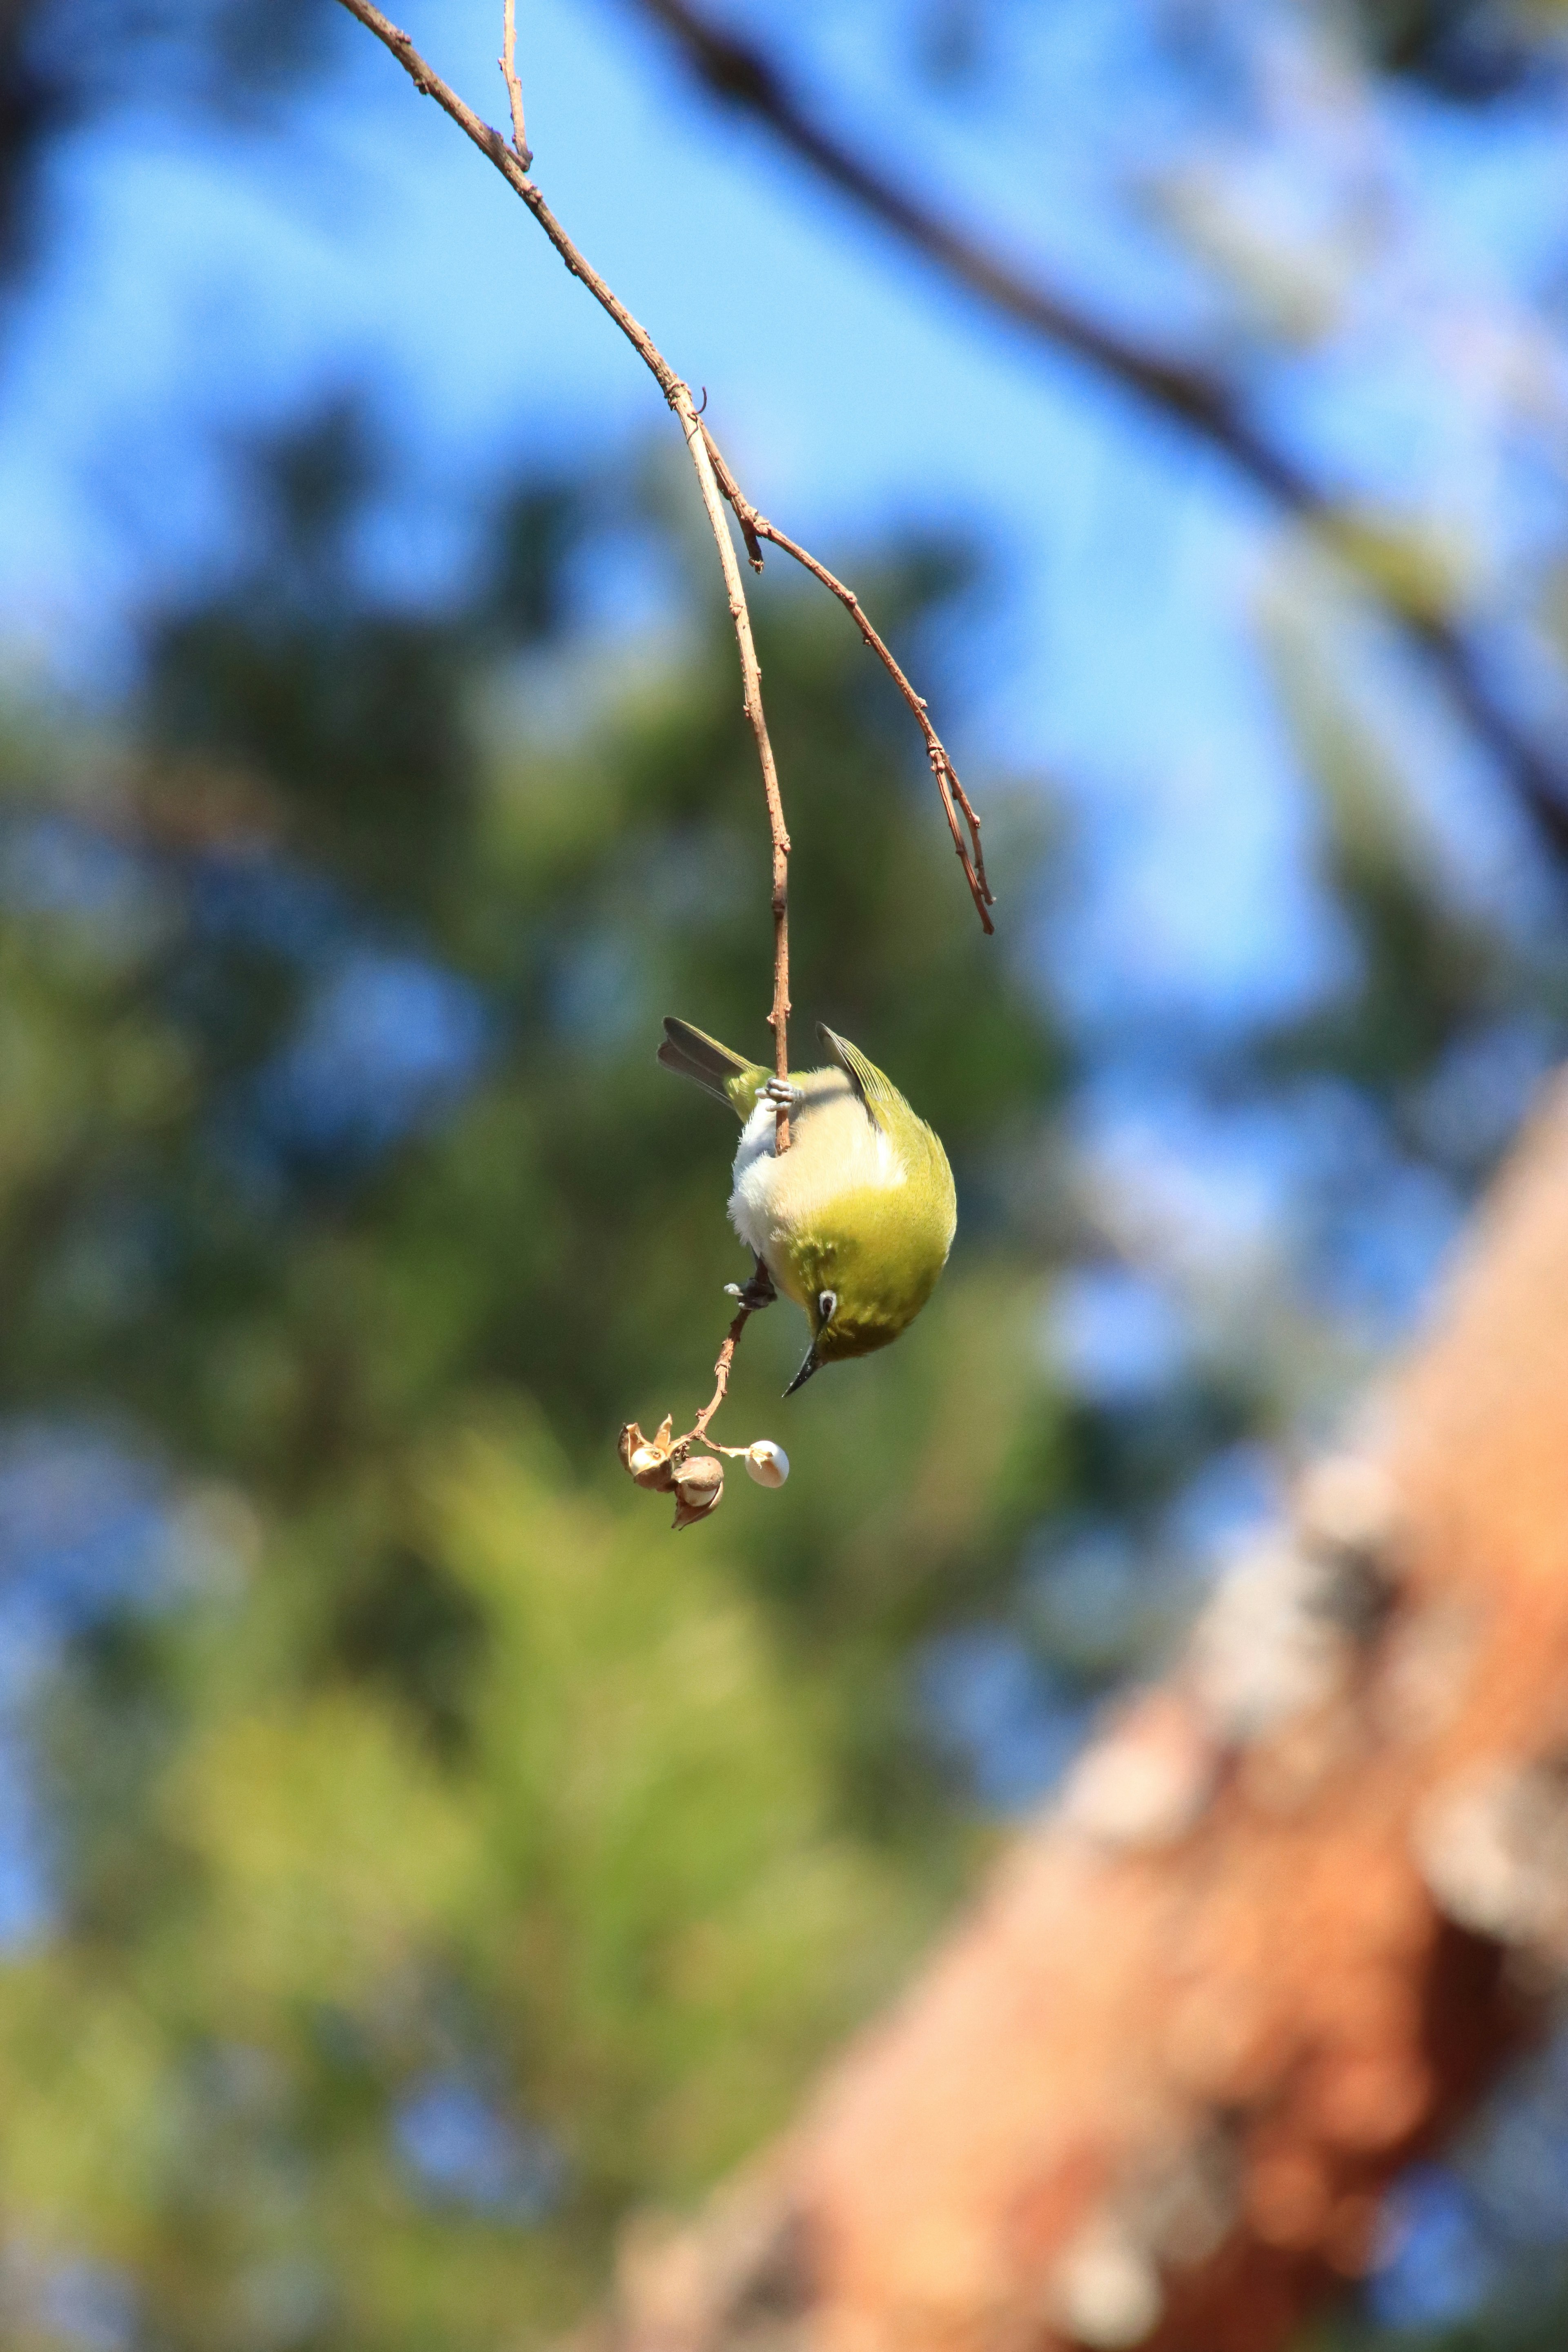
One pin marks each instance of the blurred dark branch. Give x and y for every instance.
(36, 101)
(739, 72)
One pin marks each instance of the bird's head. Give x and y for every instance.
(862, 1308)
(867, 1258)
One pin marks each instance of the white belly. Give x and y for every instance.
(835, 1148)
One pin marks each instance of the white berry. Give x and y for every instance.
(766, 1463)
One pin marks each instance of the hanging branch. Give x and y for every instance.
(512, 163)
(739, 72)
(664, 1463)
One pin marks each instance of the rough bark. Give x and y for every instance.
(1295, 1908)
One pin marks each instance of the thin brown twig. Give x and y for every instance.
(491, 144)
(508, 63)
(717, 485)
(698, 1429)
(755, 527)
(698, 442)
(738, 71)
(513, 168)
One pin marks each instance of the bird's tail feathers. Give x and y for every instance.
(691, 1054)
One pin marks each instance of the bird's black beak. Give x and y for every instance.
(813, 1364)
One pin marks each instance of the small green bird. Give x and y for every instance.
(855, 1222)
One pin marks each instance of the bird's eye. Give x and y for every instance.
(826, 1304)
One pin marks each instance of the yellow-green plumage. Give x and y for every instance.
(855, 1219)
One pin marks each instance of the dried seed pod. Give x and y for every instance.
(699, 1485)
(766, 1463)
(647, 1458)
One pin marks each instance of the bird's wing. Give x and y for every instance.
(692, 1053)
(879, 1095)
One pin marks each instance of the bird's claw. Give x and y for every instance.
(781, 1093)
(756, 1294)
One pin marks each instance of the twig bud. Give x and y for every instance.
(766, 1463)
(699, 1486)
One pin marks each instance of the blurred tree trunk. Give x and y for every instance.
(1294, 1909)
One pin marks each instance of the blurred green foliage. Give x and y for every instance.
(442, 1856)
(435, 1770)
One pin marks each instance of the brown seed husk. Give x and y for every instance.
(653, 1470)
(699, 1487)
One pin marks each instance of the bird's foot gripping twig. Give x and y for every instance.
(781, 1095)
(758, 1293)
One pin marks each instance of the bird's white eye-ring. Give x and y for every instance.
(826, 1305)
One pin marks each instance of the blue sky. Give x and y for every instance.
(196, 285)
(199, 283)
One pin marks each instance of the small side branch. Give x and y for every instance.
(508, 62)
(491, 144)
(754, 527)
